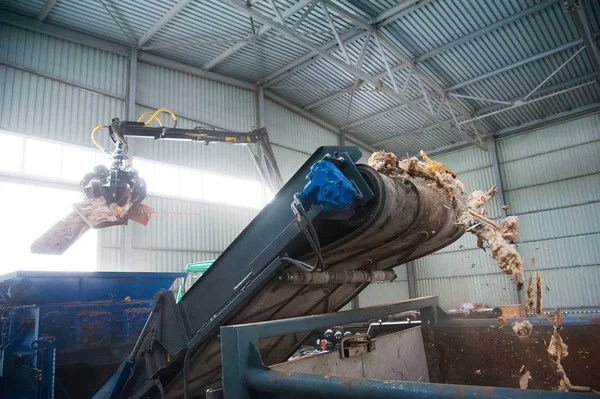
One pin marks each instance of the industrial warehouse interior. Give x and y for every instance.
(248, 199)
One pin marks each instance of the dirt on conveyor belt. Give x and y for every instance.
(412, 216)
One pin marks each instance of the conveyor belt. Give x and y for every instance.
(407, 219)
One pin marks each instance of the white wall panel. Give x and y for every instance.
(293, 131)
(196, 98)
(34, 105)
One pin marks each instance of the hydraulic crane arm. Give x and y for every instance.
(114, 196)
(115, 184)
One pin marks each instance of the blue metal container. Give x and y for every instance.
(65, 333)
(59, 287)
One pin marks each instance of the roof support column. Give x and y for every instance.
(582, 22)
(131, 84)
(260, 106)
(342, 138)
(496, 174)
(412, 279)
(127, 244)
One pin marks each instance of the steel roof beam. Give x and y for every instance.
(553, 73)
(45, 10)
(514, 65)
(129, 39)
(165, 19)
(430, 82)
(358, 20)
(264, 29)
(515, 102)
(273, 5)
(472, 36)
(403, 57)
(340, 43)
(334, 60)
(305, 60)
(304, 15)
(518, 104)
(398, 11)
(541, 92)
(474, 80)
(582, 22)
(487, 29)
(199, 43)
(345, 90)
(489, 74)
(367, 25)
(476, 98)
(386, 64)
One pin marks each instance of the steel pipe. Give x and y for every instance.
(341, 277)
(317, 386)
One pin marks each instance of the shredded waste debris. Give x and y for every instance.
(435, 166)
(558, 350)
(524, 380)
(523, 329)
(502, 321)
(529, 306)
(92, 213)
(97, 213)
(442, 177)
(509, 228)
(58, 238)
(498, 238)
(468, 210)
(538, 292)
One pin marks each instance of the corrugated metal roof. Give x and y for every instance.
(454, 41)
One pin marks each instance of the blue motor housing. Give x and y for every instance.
(329, 188)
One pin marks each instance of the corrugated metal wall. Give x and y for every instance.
(57, 89)
(551, 180)
(294, 138)
(382, 293)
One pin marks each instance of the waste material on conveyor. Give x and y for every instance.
(469, 209)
